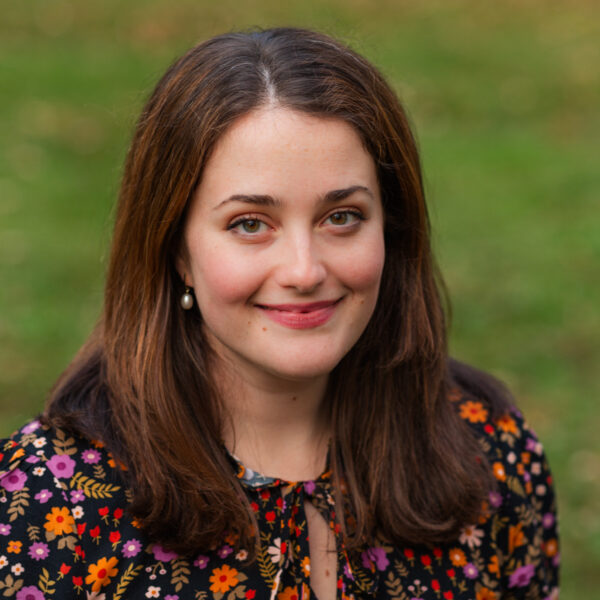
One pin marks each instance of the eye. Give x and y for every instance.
(247, 226)
(339, 218)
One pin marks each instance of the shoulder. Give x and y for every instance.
(37, 454)
(510, 445)
(50, 479)
(521, 510)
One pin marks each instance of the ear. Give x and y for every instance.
(182, 266)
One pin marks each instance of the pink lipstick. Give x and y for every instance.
(300, 316)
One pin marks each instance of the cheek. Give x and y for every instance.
(362, 267)
(221, 276)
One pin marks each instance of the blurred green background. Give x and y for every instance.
(505, 98)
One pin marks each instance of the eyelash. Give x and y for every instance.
(252, 218)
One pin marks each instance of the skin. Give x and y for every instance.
(284, 249)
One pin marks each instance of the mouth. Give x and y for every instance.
(301, 315)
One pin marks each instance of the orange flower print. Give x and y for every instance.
(454, 395)
(101, 572)
(59, 521)
(223, 579)
(515, 537)
(18, 453)
(289, 593)
(507, 423)
(473, 412)
(457, 556)
(499, 472)
(551, 548)
(485, 594)
(493, 566)
(305, 564)
(14, 546)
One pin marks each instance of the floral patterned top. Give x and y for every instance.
(65, 532)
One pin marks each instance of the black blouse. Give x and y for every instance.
(65, 532)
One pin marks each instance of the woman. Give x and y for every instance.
(266, 408)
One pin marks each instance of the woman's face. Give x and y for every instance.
(284, 244)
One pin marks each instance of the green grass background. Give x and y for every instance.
(505, 100)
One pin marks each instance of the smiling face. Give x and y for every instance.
(284, 244)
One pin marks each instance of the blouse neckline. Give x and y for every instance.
(255, 480)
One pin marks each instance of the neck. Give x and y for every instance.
(275, 427)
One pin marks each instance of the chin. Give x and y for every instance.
(305, 370)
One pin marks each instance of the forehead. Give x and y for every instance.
(282, 151)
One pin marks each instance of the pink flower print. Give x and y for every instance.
(131, 548)
(30, 593)
(14, 481)
(224, 551)
(61, 466)
(43, 496)
(470, 571)
(161, 554)
(30, 427)
(495, 499)
(91, 456)
(309, 487)
(77, 496)
(5, 529)
(38, 551)
(522, 576)
(171, 597)
(201, 562)
(548, 520)
(375, 557)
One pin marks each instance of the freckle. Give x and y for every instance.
(362, 301)
(249, 322)
(264, 328)
(326, 572)
(294, 398)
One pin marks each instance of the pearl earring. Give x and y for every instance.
(187, 300)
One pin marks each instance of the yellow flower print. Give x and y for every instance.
(223, 579)
(457, 556)
(101, 572)
(14, 547)
(59, 521)
(473, 412)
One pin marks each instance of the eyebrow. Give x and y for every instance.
(266, 200)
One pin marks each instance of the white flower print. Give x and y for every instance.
(471, 536)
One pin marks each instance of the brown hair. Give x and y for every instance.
(141, 382)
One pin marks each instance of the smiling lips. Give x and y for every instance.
(300, 316)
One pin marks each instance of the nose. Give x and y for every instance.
(300, 264)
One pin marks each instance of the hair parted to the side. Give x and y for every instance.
(141, 382)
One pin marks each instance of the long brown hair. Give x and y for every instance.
(141, 382)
